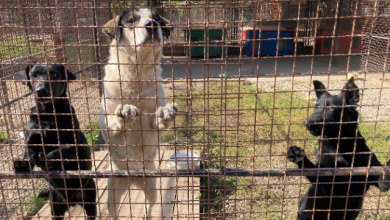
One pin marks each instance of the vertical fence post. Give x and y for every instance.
(96, 46)
(336, 59)
(4, 97)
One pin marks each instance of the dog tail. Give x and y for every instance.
(44, 194)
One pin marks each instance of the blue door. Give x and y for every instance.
(267, 47)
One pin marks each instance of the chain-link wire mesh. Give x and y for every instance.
(200, 110)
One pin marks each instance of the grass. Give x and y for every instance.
(379, 142)
(90, 82)
(93, 135)
(4, 139)
(18, 48)
(33, 204)
(235, 126)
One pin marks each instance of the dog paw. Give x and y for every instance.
(295, 154)
(21, 166)
(127, 112)
(384, 182)
(168, 112)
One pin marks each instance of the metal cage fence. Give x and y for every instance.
(241, 74)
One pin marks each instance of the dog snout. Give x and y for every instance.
(314, 127)
(42, 91)
(149, 25)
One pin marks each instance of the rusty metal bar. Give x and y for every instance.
(374, 171)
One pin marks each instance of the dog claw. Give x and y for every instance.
(295, 154)
(126, 111)
(167, 112)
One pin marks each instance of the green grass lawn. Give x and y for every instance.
(14, 48)
(18, 48)
(235, 126)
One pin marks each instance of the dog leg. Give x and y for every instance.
(116, 123)
(382, 182)
(297, 155)
(30, 153)
(65, 152)
(150, 193)
(165, 115)
(302, 207)
(58, 210)
(116, 189)
(24, 166)
(90, 196)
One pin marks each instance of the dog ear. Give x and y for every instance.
(25, 75)
(320, 88)
(351, 92)
(69, 74)
(112, 29)
(165, 31)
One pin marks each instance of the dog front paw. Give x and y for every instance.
(127, 112)
(295, 154)
(384, 182)
(40, 161)
(21, 166)
(168, 112)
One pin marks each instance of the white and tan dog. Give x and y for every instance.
(134, 107)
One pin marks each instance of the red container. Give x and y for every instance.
(323, 45)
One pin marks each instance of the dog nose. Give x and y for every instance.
(148, 26)
(42, 91)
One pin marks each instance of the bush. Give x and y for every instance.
(93, 135)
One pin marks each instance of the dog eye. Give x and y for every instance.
(53, 75)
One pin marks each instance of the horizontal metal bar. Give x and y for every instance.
(360, 171)
(385, 38)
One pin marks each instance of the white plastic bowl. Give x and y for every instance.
(184, 161)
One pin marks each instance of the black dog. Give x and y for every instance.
(331, 109)
(51, 91)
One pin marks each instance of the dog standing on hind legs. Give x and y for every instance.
(48, 84)
(134, 106)
(339, 114)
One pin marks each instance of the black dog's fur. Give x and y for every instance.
(329, 110)
(34, 154)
